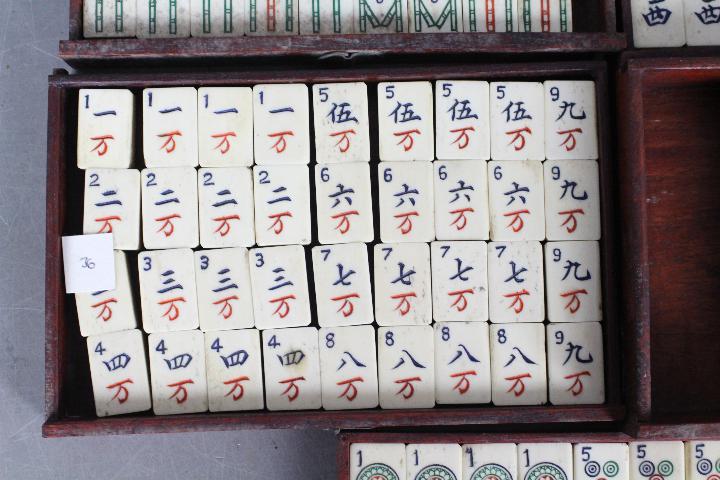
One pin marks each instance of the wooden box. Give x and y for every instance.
(595, 30)
(69, 403)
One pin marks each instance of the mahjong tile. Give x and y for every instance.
(167, 290)
(459, 281)
(170, 133)
(516, 281)
(234, 370)
(105, 128)
(576, 373)
(608, 461)
(177, 371)
(119, 373)
(327, 18)
(703, 460)
(282, 124)
(217, 18)
(431, 461)
(163, 19)
(435, 16)
(169, 207)
(702, 22)
(348, 367)
(225, 126)
(462, 117)
(282, 19)
(573, 281)
(545, 16)
(572, 200)
(282, 204)
(516, 200)
(344, 203)
(406, 371)
(109, 310)
(226, 208)
(223, 289)
(405, 121)
(342, 285)
(112, 205)
(570, 120)
(492, 16)
(658, 23)
(280, 288)
(377, 460)
(406, 201)
(461, 200)
(402, 284)
(291, 363)
(518, 366)
(381, 16)
(342, 128)
(517, 121)
(109, 18)
(462, 363)
(490, 461)
(657, 460)
(545, 460)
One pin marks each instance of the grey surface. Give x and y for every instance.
(29, 32)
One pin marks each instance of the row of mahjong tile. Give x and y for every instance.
(340, 367)
(674, 23)
(639, 460)
(270, 124)
(266, 288)
(234, 18)
(417, 202)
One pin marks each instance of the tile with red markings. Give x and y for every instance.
(541, 460)
(495, 459)
(105, 128)
(279, 17)
(217, 18)
(462, 112)
(572, 200)
(227, 214)
(459, 281)
(368, 459)
(517, 200)
(462, 362)
(225, 126)
(342, 285)
(167, 290)
(170, 133)
(234, 370)
(169, 207)
(163, 19)
(405, 121)
(281, 124)
(518, 364)
(657, 460)
(493, 16)
(342, 127)
(517, 121)
(702, 456)
(516, 280)
(461, 200)
(573, 282)
(545, 16)
(282, 204)
(406, 202)
(112, 205)
(570, 120)
(601, 460)
(438, 460)
(402, 284)
(406, 371)
(119, 373)
(348, 367)
(291, 363)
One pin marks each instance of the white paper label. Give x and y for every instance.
(89, 263)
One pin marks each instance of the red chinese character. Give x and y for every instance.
(460, 302)
(107, 227)
(280, 144)
(574, 303)
(278, 225)
(236, 385)
(292, 391)
(224, 144)
(283, 308)
(577, 387)
(407, 140)
(180, 395)
(167, 227)
(351, 390)
(347, 308)
(460, 221)
(518, 139)
(172, 312)
(463, 139)
(518, 386)
(224, 227)
(517, 223)
(344, 143)
(122, 393)
(105, 311)
(570, 142)
(170, 144)
(463, 385)
(517, 303)
(102, 146)
(407, 385)
(571, 218)
(403, 305)
(406, 224)
(226, 310)
(344, 222)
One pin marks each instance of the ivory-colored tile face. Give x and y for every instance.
(459, 281)
(348, 367)
(434, 16)
(109, 18)
(702, 22)
(461, 200)
(328, 18)
(177, 370)
(112, 205)
(167, 290)
(570, 120)
(292, 369)
(573, 281)
(169, 207)
(111, 310)
(657, 460)
(343, 201)
(225, 126)
(402, 284)
(170, 134)
(702, 460)
(282, 124)
(279, 285)
(462, 363)
(492, 16)
(405, 121)
(497, 459)
(575, 364)
(440, 460)
(462, 112)
(342, 127)
(518, 364)
(384, 459)
(658, 24)
(223, 289)
(517, 200)
(234, 370)
(342, 285)
(381, 16)
(105, 128)
(119, 373)
(538, 460)
(283, 19)
(572, 200)
(226, 212)
(163, 18)
(601, 460)
(516, 282)
(406, 371)
(406, 201)
(217, 18)
(545, 15)
(517, 121)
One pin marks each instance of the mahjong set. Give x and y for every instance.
(469, 265)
